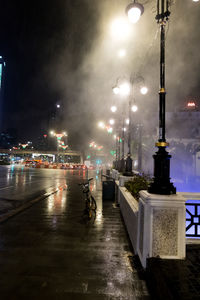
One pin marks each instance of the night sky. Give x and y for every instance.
(42, 41)
(60, 52)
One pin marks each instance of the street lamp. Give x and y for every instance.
(134, 108)
(122, 53)
(135, 79)
(125, 88)
(120, 28)
(161, 182)
(101, 125)
(134, 11)
(112, 121)
(113, 108)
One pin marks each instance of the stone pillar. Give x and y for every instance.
(161, 226)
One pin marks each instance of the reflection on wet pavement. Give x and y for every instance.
(46, 252)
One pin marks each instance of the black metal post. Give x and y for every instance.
(122, 162)
(118, 159)
(139, 148)
(161, 183)
(129, 161)
(116, 153)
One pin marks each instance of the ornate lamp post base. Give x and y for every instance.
(121, 165)
(115, 164)
(161, 183)
(128, 169)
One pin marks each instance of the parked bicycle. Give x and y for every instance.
(90, 203)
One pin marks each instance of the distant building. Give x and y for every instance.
(8, 138)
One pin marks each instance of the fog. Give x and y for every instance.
(87, 86)
(79, 66)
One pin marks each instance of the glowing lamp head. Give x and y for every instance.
(134, 12)
(125, 89)
(101, 125)
(111, 121)
(144, 90)
(113, 108)
(127, 121)
(122, 53)
(120, 29)
(134, 108)
(116, 90)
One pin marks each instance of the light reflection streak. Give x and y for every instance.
(57, 202)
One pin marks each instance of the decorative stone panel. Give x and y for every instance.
(165, 232)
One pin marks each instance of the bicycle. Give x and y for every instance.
(90, 203)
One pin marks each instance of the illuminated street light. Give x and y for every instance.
(120, 28)
(116, 90)
(125, 89)
(134, 11)
(134, 108)
(101, 124)
(113, 108)
(144, 90)
(122, 88)
(58, 105)
(112, 121)
(122, 53)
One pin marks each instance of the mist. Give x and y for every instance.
(89, 84)
(66, 53)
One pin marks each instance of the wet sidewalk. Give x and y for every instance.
(48, 252)
(176, 279)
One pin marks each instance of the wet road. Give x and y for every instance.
(18, 182)
(20, 185)
(48, 252)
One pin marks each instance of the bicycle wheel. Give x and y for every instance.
(93, 203)
(91, 215)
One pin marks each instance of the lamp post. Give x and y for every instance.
(122, 89)
(135, 79)
(161, 182)
(125, 89)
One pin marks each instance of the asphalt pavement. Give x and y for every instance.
(20, 187)
(48, 251)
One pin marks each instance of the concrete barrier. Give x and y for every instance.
(129, 209)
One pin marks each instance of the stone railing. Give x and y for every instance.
(192, 215)
(158, 225)
(129, 209)
(155, 224)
